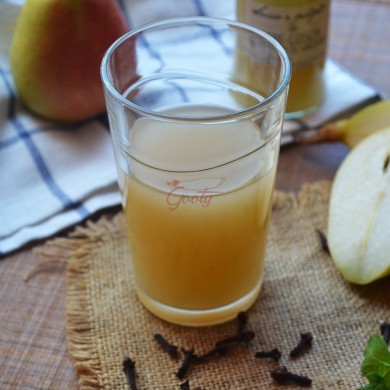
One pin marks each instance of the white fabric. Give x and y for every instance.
(52, 176)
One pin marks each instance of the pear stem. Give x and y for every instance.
(330, 132)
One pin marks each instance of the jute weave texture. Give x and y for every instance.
(302, 292)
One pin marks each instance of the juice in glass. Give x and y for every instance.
(198, 238)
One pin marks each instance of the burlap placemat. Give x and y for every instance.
(302, 292)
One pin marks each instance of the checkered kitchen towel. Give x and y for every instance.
(54, 176)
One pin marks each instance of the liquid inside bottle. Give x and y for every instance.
(301, 27)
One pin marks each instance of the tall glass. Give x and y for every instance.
(196, 150)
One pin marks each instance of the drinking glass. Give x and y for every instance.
(196, 149)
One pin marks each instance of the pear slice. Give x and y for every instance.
(359, 211)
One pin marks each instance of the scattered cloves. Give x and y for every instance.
(243, 338)
(221, 346)
(129, 370)
(385, 331)
(185, 385)
(242, 321)
(191, 358)
(323, 241)
(217, 351)
(304, 344)
(282, 376)
(169, 348)
(274, 354)
(188, 359)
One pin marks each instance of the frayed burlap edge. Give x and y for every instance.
(80, 333)
(76, 250)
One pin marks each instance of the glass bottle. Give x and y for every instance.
(301, 26)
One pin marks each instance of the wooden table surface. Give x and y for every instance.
(33, 350)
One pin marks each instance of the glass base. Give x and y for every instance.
(199, 317)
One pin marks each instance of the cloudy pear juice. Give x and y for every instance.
(197, 237)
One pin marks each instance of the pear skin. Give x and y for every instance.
(56, 52)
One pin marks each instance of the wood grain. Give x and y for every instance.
(33, 350)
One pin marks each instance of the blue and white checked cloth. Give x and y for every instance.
(53, 176)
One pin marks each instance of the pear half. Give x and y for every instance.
(359, 211)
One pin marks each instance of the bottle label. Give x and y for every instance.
(301, 29)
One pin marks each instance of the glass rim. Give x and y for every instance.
(170, 22)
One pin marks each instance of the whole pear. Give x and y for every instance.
(56, 52)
